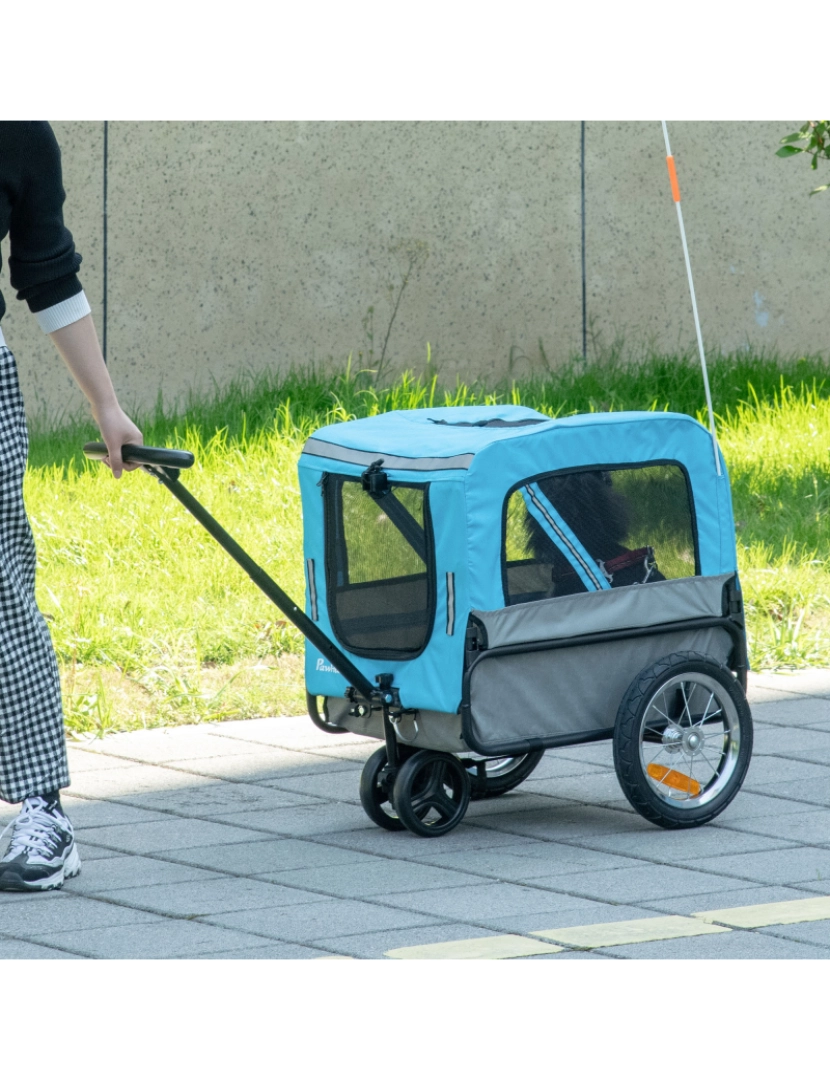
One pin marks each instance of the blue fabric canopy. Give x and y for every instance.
(470, 469)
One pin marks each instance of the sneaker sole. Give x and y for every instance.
(71, 868)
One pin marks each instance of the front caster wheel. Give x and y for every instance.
(375, 788)
(682, 741)
(431, 793)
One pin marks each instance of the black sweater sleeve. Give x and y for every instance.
(43, 262)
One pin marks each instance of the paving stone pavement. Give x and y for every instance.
(247, 839)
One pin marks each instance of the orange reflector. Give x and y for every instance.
(673, 779)
(675, 187)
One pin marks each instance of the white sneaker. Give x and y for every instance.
(42, 851)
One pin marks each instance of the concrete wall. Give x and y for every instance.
(241, 246)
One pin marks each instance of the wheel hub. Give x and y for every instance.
(692, 741)
(673, 739)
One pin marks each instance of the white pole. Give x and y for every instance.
(676, 194)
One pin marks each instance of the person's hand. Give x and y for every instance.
(117, 429)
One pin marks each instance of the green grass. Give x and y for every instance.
(154, 624)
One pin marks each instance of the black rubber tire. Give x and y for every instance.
(627, 760)
(431, 781)
(490, 787)
(375, 793)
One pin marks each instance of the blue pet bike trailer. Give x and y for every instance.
(486, 583)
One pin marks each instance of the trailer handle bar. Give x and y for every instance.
(164, 465)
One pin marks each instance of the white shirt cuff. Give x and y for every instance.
(67, 311)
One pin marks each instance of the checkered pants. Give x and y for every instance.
(32, 743)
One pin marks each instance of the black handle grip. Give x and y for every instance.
(144, 455)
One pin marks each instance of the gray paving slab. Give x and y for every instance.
(81, 761)
(812, 682)
(378, 878)
(570, 821)
(273, 951)
(767, 770)
(811, 794)
(631, 885)
(343, 786)
(529, 860)
(570, 911)
(163, 744)
(158, 938)
(260, 765)
(809, 826)
(745, 896)
(815, 933)
(168, 834)
(216, 797)
(92, 852)
(801, 712)
(668, 845)
(785, 866)
(89, 814)
(737, 945)
(14, 949)
(804, 744)
(269, 856)
(210, 896)
(321, 820)
(751, 804)
(599, 787)
(399, 845)
(132, 780)
(128, 871)
(554, 765)
(506, 806)
(373, 946)
(292, 732)
(596, 753)
(309, 923)
(483, 904)
(57, 912)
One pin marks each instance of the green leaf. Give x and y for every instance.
(823, 187)
(796, 135)
(788, 151)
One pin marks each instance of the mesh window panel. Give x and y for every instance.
(381, 588)
(617, 515)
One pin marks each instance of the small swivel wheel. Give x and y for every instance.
(431, 793)
(682, 741)
(375, 788)
(496, 776)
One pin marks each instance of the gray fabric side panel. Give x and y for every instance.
(318, 448)
(426, 730)
(568, 691)
(612, 609)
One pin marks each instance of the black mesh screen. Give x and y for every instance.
(379, 563)
(636, 524)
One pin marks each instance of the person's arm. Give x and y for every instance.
(78, 345)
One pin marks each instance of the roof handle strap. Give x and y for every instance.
(558, 530)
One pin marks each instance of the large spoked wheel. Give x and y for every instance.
(431, 793)
(682, 741)
(492, 777)
(375, 792)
